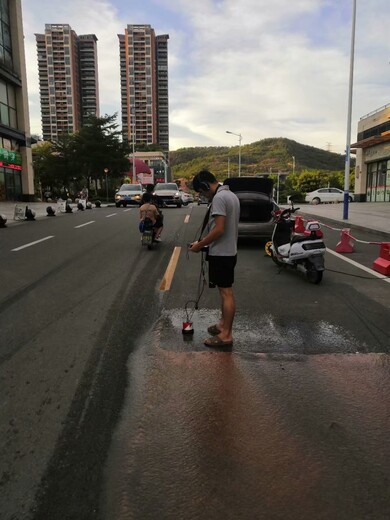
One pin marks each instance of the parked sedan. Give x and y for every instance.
(256, 205)
(326, 195)
(128, 194)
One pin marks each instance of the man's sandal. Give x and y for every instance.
(216, 341)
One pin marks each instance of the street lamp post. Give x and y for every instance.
(133, 132)
(348, 144)
(239, 150)
(106, 175)
(293, 158)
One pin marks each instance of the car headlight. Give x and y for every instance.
(177, 194)
(117, 196)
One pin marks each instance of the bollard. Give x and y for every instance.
(299, 226)
(382, 263)
(345, 245)
(3, 221)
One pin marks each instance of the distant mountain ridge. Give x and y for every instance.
(268, 155)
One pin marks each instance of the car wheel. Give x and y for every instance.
(350, 199)
(125, 204)
(316, 200)
(178, 205)
(118, 204)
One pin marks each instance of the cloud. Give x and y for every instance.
(259, 68)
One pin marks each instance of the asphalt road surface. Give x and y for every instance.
(107, 412)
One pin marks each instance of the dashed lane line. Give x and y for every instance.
(111, 215)
(187, 219)
(86, 224)
(32, 243)
(359, 266)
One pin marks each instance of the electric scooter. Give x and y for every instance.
(148, 234)
(302, 251)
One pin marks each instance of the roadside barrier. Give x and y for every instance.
(62, 206)
(20, 212)
(382, 263)
(299, 226)
(345, 245)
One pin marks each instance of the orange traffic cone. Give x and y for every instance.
(382, 263)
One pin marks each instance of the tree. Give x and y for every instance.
(98, 146)
(40, 155)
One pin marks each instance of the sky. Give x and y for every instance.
(258, 68)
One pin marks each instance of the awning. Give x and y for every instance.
(140, 166)
(372, 141)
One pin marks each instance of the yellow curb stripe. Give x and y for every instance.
(168, 276)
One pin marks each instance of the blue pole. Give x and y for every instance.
(347, 147)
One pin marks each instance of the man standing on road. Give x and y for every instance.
(222, 255)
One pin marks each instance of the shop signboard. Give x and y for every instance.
(10, 159)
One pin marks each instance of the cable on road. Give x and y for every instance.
(358, 275)
(200, 289)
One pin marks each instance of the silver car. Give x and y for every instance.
(256, 205)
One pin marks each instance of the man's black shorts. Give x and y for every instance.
(221, 270)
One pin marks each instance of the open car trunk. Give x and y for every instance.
(254, 207)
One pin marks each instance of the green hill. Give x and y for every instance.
(268, 155)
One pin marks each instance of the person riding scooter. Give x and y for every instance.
(157, 201)
(149, 216)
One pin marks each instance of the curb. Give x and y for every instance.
(351, 226)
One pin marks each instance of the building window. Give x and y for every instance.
(7, 105)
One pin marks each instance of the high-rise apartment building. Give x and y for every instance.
(144, 86)
(16, 173)
(68, 79)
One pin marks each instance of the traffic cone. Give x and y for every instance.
(382, 263)
(345, 245)
(299, 226)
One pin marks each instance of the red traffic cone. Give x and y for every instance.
(382, 263)
(345, 245)
(299, 226)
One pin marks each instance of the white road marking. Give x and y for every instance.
(86, 224)
(129, 209)
(112, 215)
(32, 243)
(187, 219)
(359, 266)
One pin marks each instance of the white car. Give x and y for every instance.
(326, 195)
(128, 194)
(169, 193)
(186, 197)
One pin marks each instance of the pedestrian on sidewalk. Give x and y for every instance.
(221, 239)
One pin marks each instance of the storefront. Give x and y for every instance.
(378, 181)
(372, 174)
(10, 174)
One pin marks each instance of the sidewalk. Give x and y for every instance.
(8, 209)
(365, 216)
